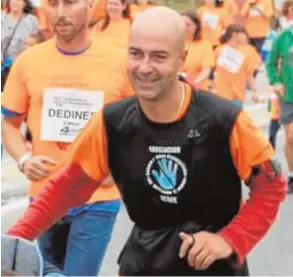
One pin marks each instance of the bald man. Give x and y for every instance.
(178, 157)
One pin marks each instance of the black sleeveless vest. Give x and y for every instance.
(175, 172)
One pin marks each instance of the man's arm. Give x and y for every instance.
(12, 137)
(72, 186)
(15, 103)
(70, 189)
(252, 155)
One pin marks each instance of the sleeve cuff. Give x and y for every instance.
(9, 113)
(233, 239)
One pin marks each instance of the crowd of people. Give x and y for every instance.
(128, 100)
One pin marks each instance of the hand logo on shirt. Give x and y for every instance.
(166, 176)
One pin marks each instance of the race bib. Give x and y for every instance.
(211, 19)
(66, 111)
(256, 11)
(230, 59)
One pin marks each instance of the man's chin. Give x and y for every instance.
(146, 94)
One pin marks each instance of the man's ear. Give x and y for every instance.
(183, 58)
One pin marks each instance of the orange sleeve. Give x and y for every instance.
(15, 96)
(208, 59)
(248, 146)
(252, 63)
(89, 149)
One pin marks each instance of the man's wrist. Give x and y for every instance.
(22, 161)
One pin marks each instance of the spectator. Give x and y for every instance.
(116, 25)
(200, 56)
(16, 25)
(234, 67)
(257, 14)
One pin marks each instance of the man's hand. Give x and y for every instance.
(279, 90)
(205, 249)
(254, 97)
(35, 168)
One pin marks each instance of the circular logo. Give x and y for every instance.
(166, 174)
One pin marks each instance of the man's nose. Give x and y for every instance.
(145, 65)
(61, 9)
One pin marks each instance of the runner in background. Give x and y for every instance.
(280, 71)
(257, 15)
(115, 27)
(140, 6)
(200, 56)
(214, 21)
(16, 25)
(234, 67)
(58, 85)
(250, 50)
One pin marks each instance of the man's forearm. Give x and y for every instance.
(13, 140)
(257, 214)
(71, 188)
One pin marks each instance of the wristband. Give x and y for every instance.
(22, 160)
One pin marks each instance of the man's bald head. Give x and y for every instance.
(156, 52)
(161, 20)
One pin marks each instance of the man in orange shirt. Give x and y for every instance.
(178, 157)
(58, 85)
(257, 14)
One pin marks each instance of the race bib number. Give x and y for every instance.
(66, 112)
(230, 59)
(256, 11)
(211, 19)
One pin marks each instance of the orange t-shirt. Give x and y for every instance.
(253, 56)
(200, 55)
(214, 22)
(248, 145)
(59, 93)
(117, 32)
(232, 8)
(136, 9)
(233, 68)
(257, 18)
(99, 10)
